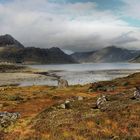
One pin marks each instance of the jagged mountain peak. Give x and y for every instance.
(8, 40)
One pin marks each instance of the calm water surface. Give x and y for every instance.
(90, 66)
(86, 73)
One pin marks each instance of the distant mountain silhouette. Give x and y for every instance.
(14, 52)
(82, 56)
(9, 41)
(108, 54)
(136, 59)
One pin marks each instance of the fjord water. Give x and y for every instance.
(89, 66)
(86, 73)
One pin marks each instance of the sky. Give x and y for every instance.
(72, 25)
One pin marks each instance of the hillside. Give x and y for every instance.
(14, 52)
(108, 54)
(136, 60)
(31, 55)
(43, 118)
(8, 41)
(82, 56)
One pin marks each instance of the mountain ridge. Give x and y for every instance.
(9, 41)
(12, 51)
(136, 59)
(108, 54)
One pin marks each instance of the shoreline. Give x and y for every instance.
(35, 76)
(42, 108)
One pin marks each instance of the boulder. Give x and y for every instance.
(62, 83)
(101, 101)
(7, 119)
(137, 93)
(65, 105)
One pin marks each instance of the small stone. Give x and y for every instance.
(67, 104)
(62, 106)
(80, 98)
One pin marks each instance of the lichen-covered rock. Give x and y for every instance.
(101, 101)
(7, 119)
(62, 83)
(137, 93)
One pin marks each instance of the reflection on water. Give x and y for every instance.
(86, 73)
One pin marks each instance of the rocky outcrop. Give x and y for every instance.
(7, 119)
(137, 93)
(62, 83)
(101, 101)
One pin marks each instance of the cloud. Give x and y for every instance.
(131, 8)
(70, 26)
(125, 38)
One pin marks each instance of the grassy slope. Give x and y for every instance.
(39, 120)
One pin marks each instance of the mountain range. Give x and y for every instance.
(106, 55)
(136, 60)
(13, 51)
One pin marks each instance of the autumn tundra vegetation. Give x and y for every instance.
(107, 110)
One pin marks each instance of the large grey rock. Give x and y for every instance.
(137, 93)
(101, 101)
(62, 83)
(7, 119)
